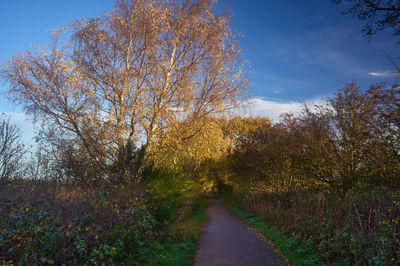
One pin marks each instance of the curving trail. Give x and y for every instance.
(227, 241)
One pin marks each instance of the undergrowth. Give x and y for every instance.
(49, 223)
(332, 228)
(56, 223)
(290, 248)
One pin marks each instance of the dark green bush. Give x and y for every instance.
(171, 188)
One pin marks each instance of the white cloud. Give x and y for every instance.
(381, 74)
(257, 106)
(274, 108)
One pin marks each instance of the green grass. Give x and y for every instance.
(290, 248)
(181, 246)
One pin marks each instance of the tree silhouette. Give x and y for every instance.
(379, 14)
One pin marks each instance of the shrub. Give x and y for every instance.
(171, 188)
(356, 227)
(54, 224)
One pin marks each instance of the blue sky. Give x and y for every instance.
(306, 49)
(295, 49)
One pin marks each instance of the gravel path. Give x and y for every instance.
(227, 241)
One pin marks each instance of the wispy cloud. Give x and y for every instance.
(275, 108)
(328, 49)
(381, 74)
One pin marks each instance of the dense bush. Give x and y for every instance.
(157, 221)
(52, 223)
(172, 189)
(350, 142)
(330, 176)
(356, 227)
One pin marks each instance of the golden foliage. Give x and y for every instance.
(141, 70)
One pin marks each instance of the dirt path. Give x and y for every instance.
(227, 241)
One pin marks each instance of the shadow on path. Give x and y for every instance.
(227, 241)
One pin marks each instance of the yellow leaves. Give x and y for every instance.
(128, 69)
(194, 141)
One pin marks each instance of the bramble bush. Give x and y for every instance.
(48, 223)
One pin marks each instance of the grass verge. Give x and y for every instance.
(181, 245)
(289, 248)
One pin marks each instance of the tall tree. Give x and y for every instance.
(131, 75)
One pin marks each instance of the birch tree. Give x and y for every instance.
(130, 75)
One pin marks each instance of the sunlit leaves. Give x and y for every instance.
(132, 74)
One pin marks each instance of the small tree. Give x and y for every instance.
(11, 150)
